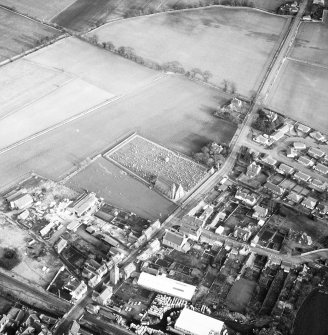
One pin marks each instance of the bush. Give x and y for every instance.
(9, 259)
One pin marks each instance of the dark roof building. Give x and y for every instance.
(274, 188)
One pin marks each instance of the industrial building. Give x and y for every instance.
(194, 323)
(167, 286)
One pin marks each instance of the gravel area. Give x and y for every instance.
(147, 159)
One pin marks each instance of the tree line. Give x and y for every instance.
(172, 66)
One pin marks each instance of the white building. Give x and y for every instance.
(79, 292)
(167, 286)
(105, 295)
(22, 201)
(194, 323)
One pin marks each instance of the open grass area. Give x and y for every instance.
(19, 34)
(43, 10)
(121, 190)
(240, 294)
(150, 160)
(311, 43)
(60, 81)
(173, 111)
(83, 14)
(233, 44)
(300, 92)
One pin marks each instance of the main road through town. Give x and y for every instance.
(264, 89)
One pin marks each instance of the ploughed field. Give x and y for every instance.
(311, 43)
(300, 92)
(121, 190)
(58, 82)
(83, 14)
(41, 9)
(233, 44)
(19, 34)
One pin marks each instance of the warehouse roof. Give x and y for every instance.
(166, 286)
(192, 322)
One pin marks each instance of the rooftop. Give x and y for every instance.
(274, 188)
(302, 176)
(166, 285)
(173, 237)
(286, 168)
(192, 322)
(316, 152)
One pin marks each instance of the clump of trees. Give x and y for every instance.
(212, 154)
(265, 124)
(9, 258)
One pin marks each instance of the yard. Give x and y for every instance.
(121, 190)
(311, 43)
(240, 294)
(243, 40)
(300, 93)
(149, 160)
(31, 264)
(19, 34)
(43, 10)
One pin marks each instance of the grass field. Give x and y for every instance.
(43, 10)
(174, 111)
(233, 44)
(59, 81)
(83, 14)
(240, 294)
(311, 43)
(300, 92)
(121, 190)
(19, 34)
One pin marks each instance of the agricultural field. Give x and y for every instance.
(58, 82)
(148, 160)
(300, 93)
(243, 40)
(26, 35)
(43, 10)
(240, 295)
(31, 259)
(121, 190)
(172, 111)
(311, 43)
(83, 14)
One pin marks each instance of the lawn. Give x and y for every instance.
(83, 14)
(19, 34)
(300, 92)
(173, 111)
(240, 294)
(121, 190)
(43, 10)
(311, 43)
(233, 44)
